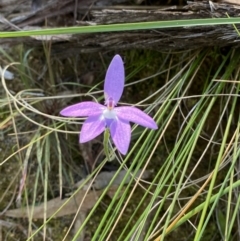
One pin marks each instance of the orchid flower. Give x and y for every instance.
(116, 119)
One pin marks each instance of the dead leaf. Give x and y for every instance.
(73, 203)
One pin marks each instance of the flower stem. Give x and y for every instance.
(105, 143)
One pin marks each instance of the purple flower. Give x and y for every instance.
(109, 116)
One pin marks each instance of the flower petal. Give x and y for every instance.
(121, 134)
(92, 127)
(86, 108)
(135, 115)
(114, 80)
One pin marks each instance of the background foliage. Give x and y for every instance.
(180, 182)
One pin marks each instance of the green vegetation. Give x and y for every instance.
(193, 158)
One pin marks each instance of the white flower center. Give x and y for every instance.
(109, 114)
